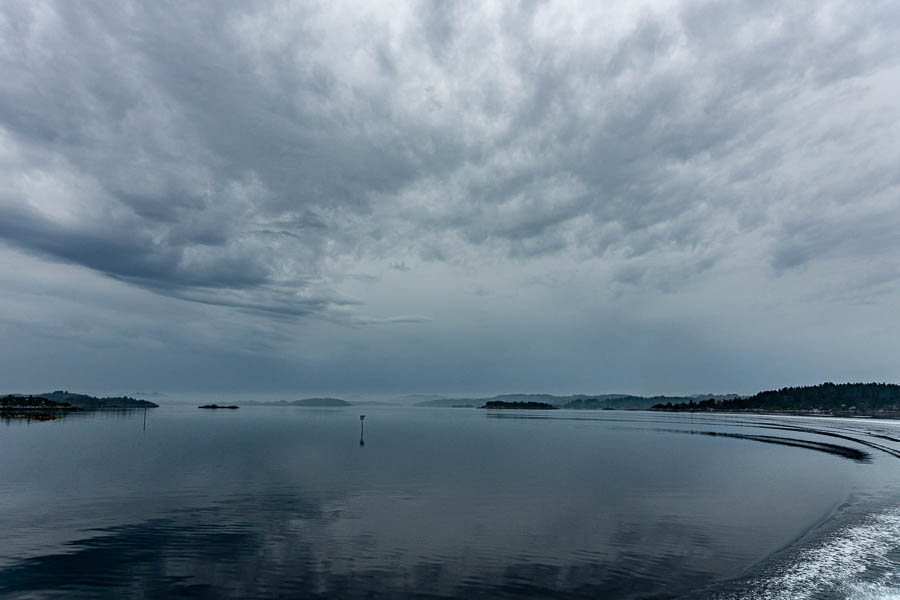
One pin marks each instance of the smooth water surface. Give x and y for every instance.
(274, 501)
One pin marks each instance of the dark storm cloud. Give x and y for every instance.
(129, 254)
(155, 105)
(340, 161)
(611, 121)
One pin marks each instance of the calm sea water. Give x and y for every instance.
(271, 501)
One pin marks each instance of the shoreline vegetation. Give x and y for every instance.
(34, 408)
(55, 405)
(881, 400)
(64, 400)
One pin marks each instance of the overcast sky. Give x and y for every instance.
(372, 197)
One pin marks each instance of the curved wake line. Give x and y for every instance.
(834, 449)
(843, 451)
(881, 447)
(827, 431)
(858, 561)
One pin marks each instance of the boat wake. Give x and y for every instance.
(857, 561)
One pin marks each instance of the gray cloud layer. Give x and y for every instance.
(290, 175)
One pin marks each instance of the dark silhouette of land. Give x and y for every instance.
(829, 399)
(518, 405)
(34, 408)
(232, 406)
(63, 401)
(13, 402)
(86, 402)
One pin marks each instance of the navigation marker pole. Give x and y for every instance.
(361, 419)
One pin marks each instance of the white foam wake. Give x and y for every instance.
(857, 562)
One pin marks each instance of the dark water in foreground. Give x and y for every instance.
(265, 502)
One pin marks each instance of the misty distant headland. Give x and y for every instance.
(308, 402)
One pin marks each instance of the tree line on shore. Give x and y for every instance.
(850, 398)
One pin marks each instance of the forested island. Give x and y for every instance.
(830, 399)
(54, 405)
(518, 405)
(65, 400)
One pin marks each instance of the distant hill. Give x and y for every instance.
(86, 402)
(320, 402)
(870, 399)
(609, 402)
(574, 402)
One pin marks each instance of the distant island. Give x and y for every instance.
(518, 405)
(65, 400)
(231, 406)
(828, 399)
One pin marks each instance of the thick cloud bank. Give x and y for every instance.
(662, 196)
